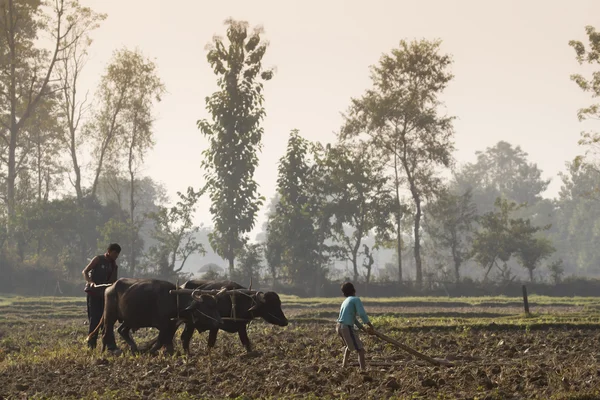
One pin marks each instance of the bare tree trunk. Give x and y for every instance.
(457, 263)
(231, 260)
(132, 228)
(398, 218)
(418, 262)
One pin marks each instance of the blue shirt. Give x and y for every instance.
(351, 307)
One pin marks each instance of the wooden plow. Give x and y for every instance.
(433, 361)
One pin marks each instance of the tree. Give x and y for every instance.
(72, 108)
(501, 237)
(449, 222)
(576, 232)
(294, 240)
(26, 70)
(494, 240)
(590, 56)
(368, 261)
(400, 117)
(175, 233)
(249, 263)
(273, 244)
(234, 136)
(128, 91)
(501, 171)
(352, 181)
(533, 250)
(557, 270)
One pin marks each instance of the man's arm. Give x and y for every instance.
(113, 275)
(86, 270)
(360, 310)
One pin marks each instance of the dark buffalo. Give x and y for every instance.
(249, 304)
(148, 303)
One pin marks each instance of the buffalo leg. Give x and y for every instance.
(108, 337)
(169, 334)
(110, 317)
(212, 337)
(186, 337)
(125, 333)
(243, 334)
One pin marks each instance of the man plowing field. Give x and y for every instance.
(351, 307)
(349, 310)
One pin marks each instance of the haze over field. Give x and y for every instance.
(511, 65)
(394, 141)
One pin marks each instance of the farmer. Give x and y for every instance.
(101, 270)
(351, 307)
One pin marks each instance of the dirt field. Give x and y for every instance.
(496, 351)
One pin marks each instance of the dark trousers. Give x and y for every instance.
(95, 308)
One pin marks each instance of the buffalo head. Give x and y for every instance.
(268, 306)
(203, 309)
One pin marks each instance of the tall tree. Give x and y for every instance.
(123, 128)
(590, 56)
(293, 238)
(353, 182)
(249, 263)
(234, 136)
(26, 70)
(400, 117)
(73, 108)
(175, 234)
(577, 230)
(501, 170)
(449, 222)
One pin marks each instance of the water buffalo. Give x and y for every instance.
(249, 304)
(144, 303)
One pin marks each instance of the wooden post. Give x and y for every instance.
(525, 302)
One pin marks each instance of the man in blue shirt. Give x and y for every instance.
(351, 307)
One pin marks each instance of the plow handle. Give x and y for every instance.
(411, 350)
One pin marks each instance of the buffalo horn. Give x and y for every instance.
(260, 296)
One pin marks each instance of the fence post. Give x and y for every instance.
(525, 302)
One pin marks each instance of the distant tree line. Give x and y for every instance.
(72, 181)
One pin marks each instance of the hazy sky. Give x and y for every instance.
(511, 65)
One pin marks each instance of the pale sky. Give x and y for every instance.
(512, 65)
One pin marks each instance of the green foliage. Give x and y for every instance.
(591, 56)
(132, 79)
(295, 243)
(577, 229)
(449, 222)
(174, 232)
(501, 171)
(249, 262)
(26, 72)
(501, 237)
(399, 117)
(353, 181)
(234, 136)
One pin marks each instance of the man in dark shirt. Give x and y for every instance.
(101, 270)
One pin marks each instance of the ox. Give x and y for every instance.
(145, 303)
(237, 308)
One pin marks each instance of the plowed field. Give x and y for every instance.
(497, 354)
